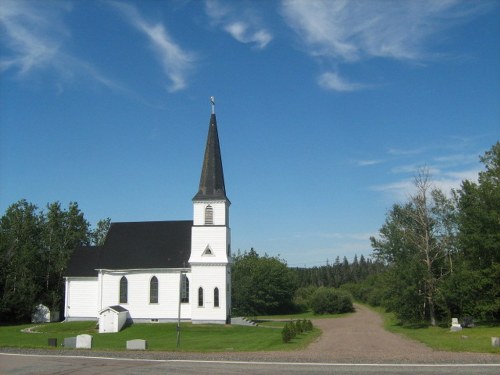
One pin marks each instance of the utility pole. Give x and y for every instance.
(179, 312)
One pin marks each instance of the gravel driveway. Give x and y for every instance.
(357, 338)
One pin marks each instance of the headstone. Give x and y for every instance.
(455, 326)
(53, 342)
(495, 341)
(467, 322)
(70, 342)
(84, 342)
(137, 344)
(41, 314)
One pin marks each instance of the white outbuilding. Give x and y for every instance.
(112, 319)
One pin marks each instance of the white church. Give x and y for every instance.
(160, 270)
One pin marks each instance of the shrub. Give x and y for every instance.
(331, 301)
(308, 325)
(286, 334)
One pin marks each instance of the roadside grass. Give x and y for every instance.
(160, 337)
(477, 339)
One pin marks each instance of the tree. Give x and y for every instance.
(63, 231)
(34, 251)
(98, 235)
(416, 240)
(479, 240)
(20, 235)
(262, 284)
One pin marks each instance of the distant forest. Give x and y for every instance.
(338, 273)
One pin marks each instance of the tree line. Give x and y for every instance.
(441, 251)
(436, 256)
(35, 247)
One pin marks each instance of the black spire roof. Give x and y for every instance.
(212, 176)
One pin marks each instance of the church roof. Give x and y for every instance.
(136, 245)
(212, 175)
(83, 261)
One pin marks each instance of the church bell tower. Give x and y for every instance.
(210, 260)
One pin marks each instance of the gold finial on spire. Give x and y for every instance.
(212, 102)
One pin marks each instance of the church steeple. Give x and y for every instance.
(212, 175)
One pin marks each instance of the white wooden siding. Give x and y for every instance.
(209, 277)
(217, 238)
(81, 298)
(138, 294)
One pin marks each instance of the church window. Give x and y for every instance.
(200, 297)
(123, 290)
(208, 251)
(216, 297)
(209, 215)
(153, 290)
(184, 289)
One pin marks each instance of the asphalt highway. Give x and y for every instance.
(20, 364)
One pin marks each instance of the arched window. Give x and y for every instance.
(216, 297)
(123, 289)
(153, 290)
(184, 289)
(200, 297)
(209, 215)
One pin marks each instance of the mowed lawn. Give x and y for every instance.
(160, 337)
(476, 339)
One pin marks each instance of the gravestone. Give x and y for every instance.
(84, 342)
(455, 326)
(53, 342)
(137, 344)
(70, 342)
(468, 322)
(495, 341)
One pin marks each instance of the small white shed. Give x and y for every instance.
(112, 319)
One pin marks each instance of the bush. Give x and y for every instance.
(331, 301)
(302, 298)
(308, 325)
(286, 334)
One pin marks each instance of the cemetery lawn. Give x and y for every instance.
(477, 339)
(160, 337)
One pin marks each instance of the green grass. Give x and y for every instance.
(477, 339)
(160, 337)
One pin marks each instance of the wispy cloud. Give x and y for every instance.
(367, 163)
(35, 34)
(244, 26)
(332, 81)
(176, 62)
(349, 31)
(445, 180)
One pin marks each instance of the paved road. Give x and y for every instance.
(53, 365)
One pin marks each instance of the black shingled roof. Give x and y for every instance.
(83, 261)
(139, 245)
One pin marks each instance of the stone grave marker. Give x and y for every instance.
(137, 344)
(455, 326)
(84, 342)
(70, 342)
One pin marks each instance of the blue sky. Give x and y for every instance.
(325, 110)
